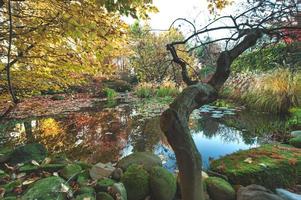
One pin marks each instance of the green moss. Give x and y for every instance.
(86, 190)
(85, 196)
(27, 153)
(70, 171)
(269, 165)
(83, 178)
(147, 159)
(218, 188)
(162, 183)
(104, 196)
(47, 189)
(136, 182)
(103, 184)
(9, 187)
(296, 142)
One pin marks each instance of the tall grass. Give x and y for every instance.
(276, 91)
(147, 90)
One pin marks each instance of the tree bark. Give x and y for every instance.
(175, 120)
(8, 65)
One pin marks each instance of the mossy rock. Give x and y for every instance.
(136, 182)
(218, 189)
(147, 159)
(162, 184)
(71, 171)
(45, 189)
(28, 167)
(85, 197)
(83, 178)
(103, 196)
(27, 153)
(272, 166)
(86, 190)
(5, 153)
(296, 142)
(103, 184)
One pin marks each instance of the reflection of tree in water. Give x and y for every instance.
(208, 126)
(146, 134)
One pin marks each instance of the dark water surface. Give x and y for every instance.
(106, 135)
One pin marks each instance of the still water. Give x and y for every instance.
(106, 135)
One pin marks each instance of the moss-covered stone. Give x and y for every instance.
(46, 189)
(269, 165)
(218, 189)
(27, 153)
(71, 171)
(28, 167)
(162, 184)
(103, 184)
(136, 182)
(83, 178)
(86, 190)
(104, 196)
(296, 142)
(5, 153)
(147, 159)
(85, 197)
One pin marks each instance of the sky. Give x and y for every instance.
(169, 10)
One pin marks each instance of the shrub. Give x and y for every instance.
(117, 85)
(110, 94)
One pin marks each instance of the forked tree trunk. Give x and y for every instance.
(174, 121)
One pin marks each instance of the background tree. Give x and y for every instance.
(244, 30)
(150, 59)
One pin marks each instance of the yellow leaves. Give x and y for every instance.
(217, 5)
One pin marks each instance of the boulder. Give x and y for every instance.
(287, 195)
(27, 153)
(147, 159)
(119, 191)
(272, 166)
(101, 170)
(103, 184)
(296, 142)
(136, 182)
(117, 174)
(47, 189)
(162, 184)
(296, 133)
(103, 196)
(256, 192)
(71, 171)
(218, 189)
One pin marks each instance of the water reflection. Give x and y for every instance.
(107, 135)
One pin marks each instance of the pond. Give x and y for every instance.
(107, 134)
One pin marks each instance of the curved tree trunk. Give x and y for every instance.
(174, 121)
